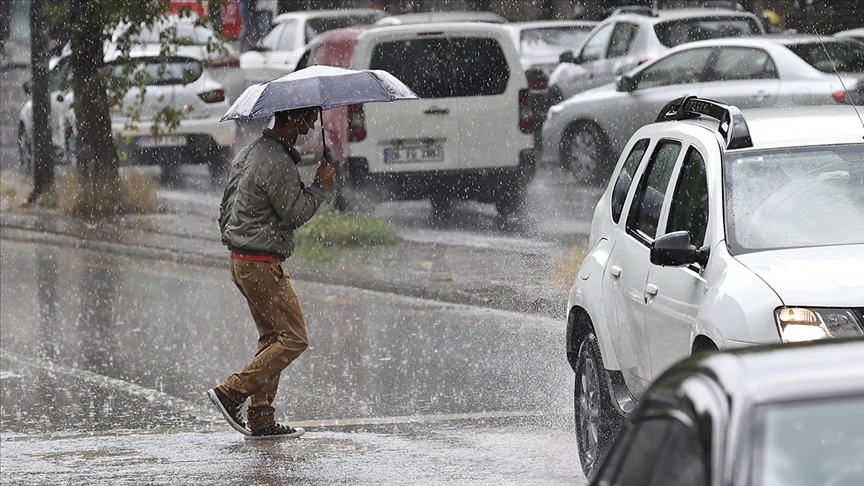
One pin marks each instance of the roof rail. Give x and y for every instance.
(733, 128)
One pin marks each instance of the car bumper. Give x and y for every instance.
(223, 134)
(550, 146)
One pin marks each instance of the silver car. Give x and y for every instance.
(623, 41)
(586, 133)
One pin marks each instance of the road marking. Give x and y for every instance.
(207, 415)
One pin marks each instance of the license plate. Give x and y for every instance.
(414, 154)
(165, 141)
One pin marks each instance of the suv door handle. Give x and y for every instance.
(651, 289)
(615, 271)
(436, 110)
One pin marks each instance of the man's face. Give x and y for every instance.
(306, 123)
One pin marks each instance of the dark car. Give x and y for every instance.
(788, 414)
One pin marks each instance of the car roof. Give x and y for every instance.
(306, 14)
(449, 16)
(676, 14)
(805, 125)
(781, 372)
(550, 24)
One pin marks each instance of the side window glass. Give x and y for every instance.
(288, 39)
(271, 40)
(635, 461)
(743, 63)
(625, 178)
(681, 68)
(595, 48)
(683, 461)
(622, 39)
(57, 75)
(645, 215)
(689, 209)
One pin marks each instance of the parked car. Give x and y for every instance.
(719, 229)
(622, 42)
(278, 52)
(586, 133)
(782, 414)
(540, 44)
(857, 34)
(468, 137)
(180, 82)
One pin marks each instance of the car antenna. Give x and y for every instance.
(845, 91)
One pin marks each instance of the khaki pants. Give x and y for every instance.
(282, 336)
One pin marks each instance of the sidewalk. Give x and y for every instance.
(508, 278)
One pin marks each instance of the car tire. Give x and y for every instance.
(585, 153)
(25, 150)
(70, 149)
(596, 418)
(442, 206)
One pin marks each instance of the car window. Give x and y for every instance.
(186, 33)
(846, 56)
(689, 209)
(682, 461)
(175, 70)
(634, 462)
(680, 68)
(59, 74)
(595, 48)
(287, 41)
(738, 63)
(794, 197)
(622, 38)
(316, 26)
(810, 442)
(625, 178)
(677, 32)
(551, 40)
(439, 68)
(271, 40)
(645, 215)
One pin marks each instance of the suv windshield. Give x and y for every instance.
(676, 32)
(443, 68)
(794, 197)
(847, 56)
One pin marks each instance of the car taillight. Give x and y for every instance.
(212, 96)
(536, 79)
(839, 97)
(526, 115)
(232, 61)
(356, 123)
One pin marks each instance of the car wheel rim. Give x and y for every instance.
(589, 412)
(583, 153)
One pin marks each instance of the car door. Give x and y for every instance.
(603, 57)
(745, 77)
(629, 264)
(61, 116)
(675, 294)
(284, 50)
(666, 79)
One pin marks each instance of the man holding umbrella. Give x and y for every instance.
(264, 202)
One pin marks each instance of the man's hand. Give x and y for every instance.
(325, 176)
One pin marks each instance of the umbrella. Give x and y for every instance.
(324, 86)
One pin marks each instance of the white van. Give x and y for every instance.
(468, 137)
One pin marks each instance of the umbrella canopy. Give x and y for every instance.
(324, 86)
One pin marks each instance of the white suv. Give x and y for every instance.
(719, 229)
(468, 137)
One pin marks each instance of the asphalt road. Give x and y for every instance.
(105, 359)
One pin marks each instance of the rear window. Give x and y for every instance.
(320, 25)
(677, 32)
(847, 56)
(444, 68)
(152, 71)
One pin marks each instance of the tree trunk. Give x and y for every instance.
(96, 155)
(43, 153)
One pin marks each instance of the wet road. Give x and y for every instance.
(105, 360)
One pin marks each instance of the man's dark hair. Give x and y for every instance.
(285, 116)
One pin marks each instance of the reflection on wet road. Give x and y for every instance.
(105, 359)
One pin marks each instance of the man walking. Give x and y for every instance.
(264, 202)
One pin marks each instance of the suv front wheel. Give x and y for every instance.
(596, 418)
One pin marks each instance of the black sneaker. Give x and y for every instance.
(229, 410)
(276, 431)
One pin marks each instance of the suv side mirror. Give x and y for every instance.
(674, 250)
(26, 87)
(626, 84)
(567, 56)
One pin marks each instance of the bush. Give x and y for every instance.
(330, 229)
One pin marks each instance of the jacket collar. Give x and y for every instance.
(295, 155)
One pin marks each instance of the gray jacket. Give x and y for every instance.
(265, 200)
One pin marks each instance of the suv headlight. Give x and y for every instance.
(807, 324)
